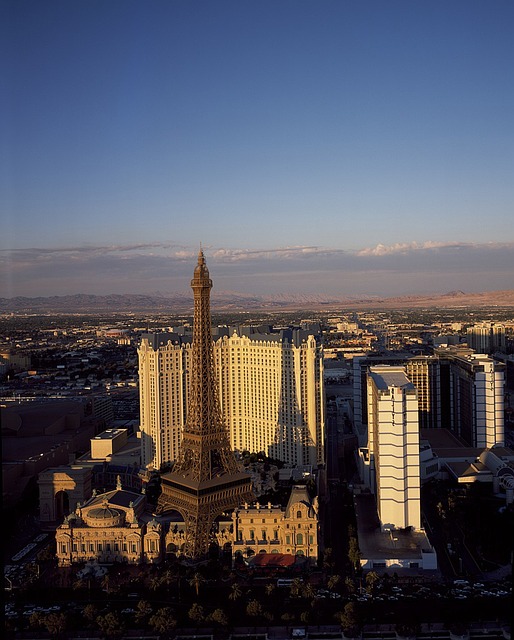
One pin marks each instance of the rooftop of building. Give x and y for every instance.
(109, 434)
(374, 543)
(445, 444)
(386, 377)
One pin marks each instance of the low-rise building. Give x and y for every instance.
(109, 528)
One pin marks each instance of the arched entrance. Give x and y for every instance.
(62, 505)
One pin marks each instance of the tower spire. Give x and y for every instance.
(205, 480)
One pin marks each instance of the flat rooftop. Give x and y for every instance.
(109, 434)
(374, 543)
(395, 377)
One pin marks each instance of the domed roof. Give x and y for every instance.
(105, 516)
(104, 513)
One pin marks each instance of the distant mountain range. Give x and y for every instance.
(234, 301)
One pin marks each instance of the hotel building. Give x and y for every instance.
(393, 447)
(270, 387)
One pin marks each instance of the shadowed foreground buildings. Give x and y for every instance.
(116, 527)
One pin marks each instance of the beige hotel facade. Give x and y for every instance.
(270, 389)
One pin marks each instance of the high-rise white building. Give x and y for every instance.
(477, 400)
(457, 390)
(393, 447)
(270, 389)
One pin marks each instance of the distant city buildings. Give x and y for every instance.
(486, 337)
(270, 388)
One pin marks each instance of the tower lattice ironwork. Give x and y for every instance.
(206, 479)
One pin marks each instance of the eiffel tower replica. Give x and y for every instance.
(205, 480)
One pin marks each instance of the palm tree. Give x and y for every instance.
(235, 591)
(106, 583)
(196, 581)
(349, 585)
(371, 580)
(296, 586)
(155, 583)
(333, 581)
(308, 591)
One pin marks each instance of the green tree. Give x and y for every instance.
(55, 624)
(90, 613)
(220, 617)
(327, 558)
(354, 554)
(254, 608)
(36, 620)
(349, 619)
(143, 611)
(111, 625)
(196, 613)
(163, 621)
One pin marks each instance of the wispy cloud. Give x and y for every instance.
(429, 266)
(403, 248)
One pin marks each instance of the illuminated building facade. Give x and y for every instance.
(270, 391)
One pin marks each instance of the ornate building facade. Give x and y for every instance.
(109, 528)
(264, 528)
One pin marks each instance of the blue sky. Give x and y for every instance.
(351, 147)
